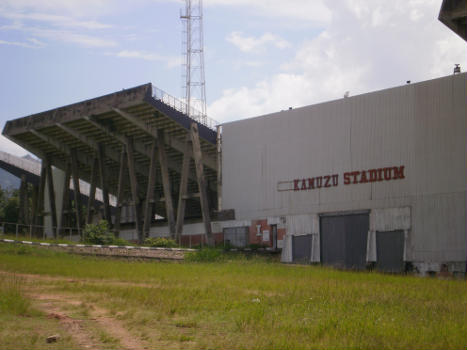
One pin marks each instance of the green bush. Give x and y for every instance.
(160, 242)
(205, 255)
(100, 234)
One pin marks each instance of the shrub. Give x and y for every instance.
(205, 255)
(100, 234)
(160, 242)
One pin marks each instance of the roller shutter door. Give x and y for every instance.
(390, 251)
(343, 240)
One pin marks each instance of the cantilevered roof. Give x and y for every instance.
(453, 13)
(31, 169)
(142, 113)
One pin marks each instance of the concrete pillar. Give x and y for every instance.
(58, 180)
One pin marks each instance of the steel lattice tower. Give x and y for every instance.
(194, 85)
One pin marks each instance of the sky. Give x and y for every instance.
(261, 56)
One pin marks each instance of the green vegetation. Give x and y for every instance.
(160, 242)
(100, 234)
(21, 326)
(9, 200)
(254, 303)
(205, 254)
(12, 300)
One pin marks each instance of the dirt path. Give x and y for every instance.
(97, 330)
(29, 276)
(57, 306)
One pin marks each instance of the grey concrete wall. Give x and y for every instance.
(421, 126)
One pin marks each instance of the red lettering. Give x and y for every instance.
(387, 174)
(319, 181)
(335, 180)
(399, 172)
(380, 174)
(346, 178)
(295, 185)
(355, 176)
(363, 179)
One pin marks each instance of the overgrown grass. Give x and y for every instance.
(36, 239)
(12, 300)
(21, 326)
(255, 304)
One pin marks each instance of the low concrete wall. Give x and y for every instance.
(117, 251)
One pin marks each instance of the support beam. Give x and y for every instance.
(108, 152)
(38, 153)
(219, 167)
(65, 213)
(23, 214)
(51, 193)
(35, 196)
(138, 147)
(201, 182)
(104, 187)
(154, 132)
(62, 148)
(169, 209)
(182, 193)
(40, 199)
(134, 188)
(92, 192)
(121, 186)
(148, 204)
(76, 189)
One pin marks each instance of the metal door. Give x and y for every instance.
(301, 249)
(343, 240)
(274, 236)
(236, 236)
(332, 236)
(390, 251)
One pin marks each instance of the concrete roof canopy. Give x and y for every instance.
(453, 14)
(142, 114)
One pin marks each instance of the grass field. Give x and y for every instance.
(239, 303)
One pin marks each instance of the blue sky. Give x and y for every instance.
(261, 56)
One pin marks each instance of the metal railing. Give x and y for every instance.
(38, 231)
(182, 107)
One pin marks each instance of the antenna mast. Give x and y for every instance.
(194, 85)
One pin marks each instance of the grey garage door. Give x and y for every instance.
(236, 236)
(343, 240)
(390, 251)
(301, 249)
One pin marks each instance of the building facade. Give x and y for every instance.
(376, 179)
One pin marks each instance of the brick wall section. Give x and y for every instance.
(118, 251)
(197, 240)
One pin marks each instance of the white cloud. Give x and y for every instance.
(67, 36)
(303, 10)
(256, 44)
(171, 62)
(369, 45)
(32, 43)
(75, 8)
(56, 20)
